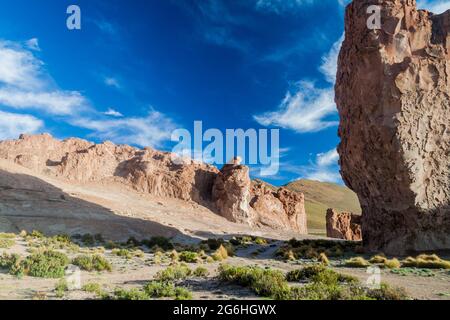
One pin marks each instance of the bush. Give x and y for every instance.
(93, 288)
(161, 242)
(6, 243)
(319, 273)
(46, 264)
(132, 294)
(386, 292)
(92, 262)
(174, 273)
(88, 239)
(201, 272)
(189, 257)
(13, 263)
(61, 288)
(7, 235)
(357, 262)
(127, 253)
(162, 289)
(264, 282)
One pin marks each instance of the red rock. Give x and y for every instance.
(346, 226)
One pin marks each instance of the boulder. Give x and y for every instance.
(392, 94)
(343, 225)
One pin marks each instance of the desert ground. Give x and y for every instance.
(105, 220)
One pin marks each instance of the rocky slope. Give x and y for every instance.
(228, 192)
(392, 94)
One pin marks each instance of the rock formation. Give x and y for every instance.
(229, 191)
(392, 93)
(343, 225)
(239, 199)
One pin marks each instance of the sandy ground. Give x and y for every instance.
(35, 202)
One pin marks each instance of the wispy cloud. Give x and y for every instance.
(12, 124)
(282, 6)
(436, 6)
(33, 44)
(324, 168)
(113, 113)
(112, 82)
(26, 85)
(151, 130)
(307, 107)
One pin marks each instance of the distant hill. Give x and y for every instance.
(319, 196)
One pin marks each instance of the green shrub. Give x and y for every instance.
(264, 282)
(164, 289)
(46, 264)
(132, 294)
(7, 235)
(213, 244)
(260, 241)
(201, 272)
(13, 263)
(88, 239)
(127, 253)
(92, 263)
(93, 287)
(357, 262)
(189, 256)
(319, 273)
(6, 243)
(61, 288)
(386, 292)
(174, 273)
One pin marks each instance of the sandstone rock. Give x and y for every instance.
(231, 194)
(392, 94)
(346, 226)
(229, 191)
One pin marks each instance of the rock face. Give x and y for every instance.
(392, 94)
(239, 199)
(229, 191)
(346, 226)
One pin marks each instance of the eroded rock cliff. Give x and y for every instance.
(392, 93)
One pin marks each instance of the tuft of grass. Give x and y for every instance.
(357, 262)
(425, 261)
(132, 294)
(7, 235)
(378, 259)
(323, 259)
(179, 272)
(92, 263)
(392, 263)
(220, 254)
(201, 272)
(264, 282)
(127, 253)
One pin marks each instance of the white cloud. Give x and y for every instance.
(151, 130)
(113, 113)
(33, 44)
(308, 107)
(12, 125)
(56, 102)
(324, 168)
(304, 110)
(436, 6)
(24, 84)
(281, 6)
(18, 67)
(112, 82)
(330, 60)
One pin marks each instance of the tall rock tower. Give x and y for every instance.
(393, 97)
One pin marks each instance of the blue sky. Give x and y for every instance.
(139, 69)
